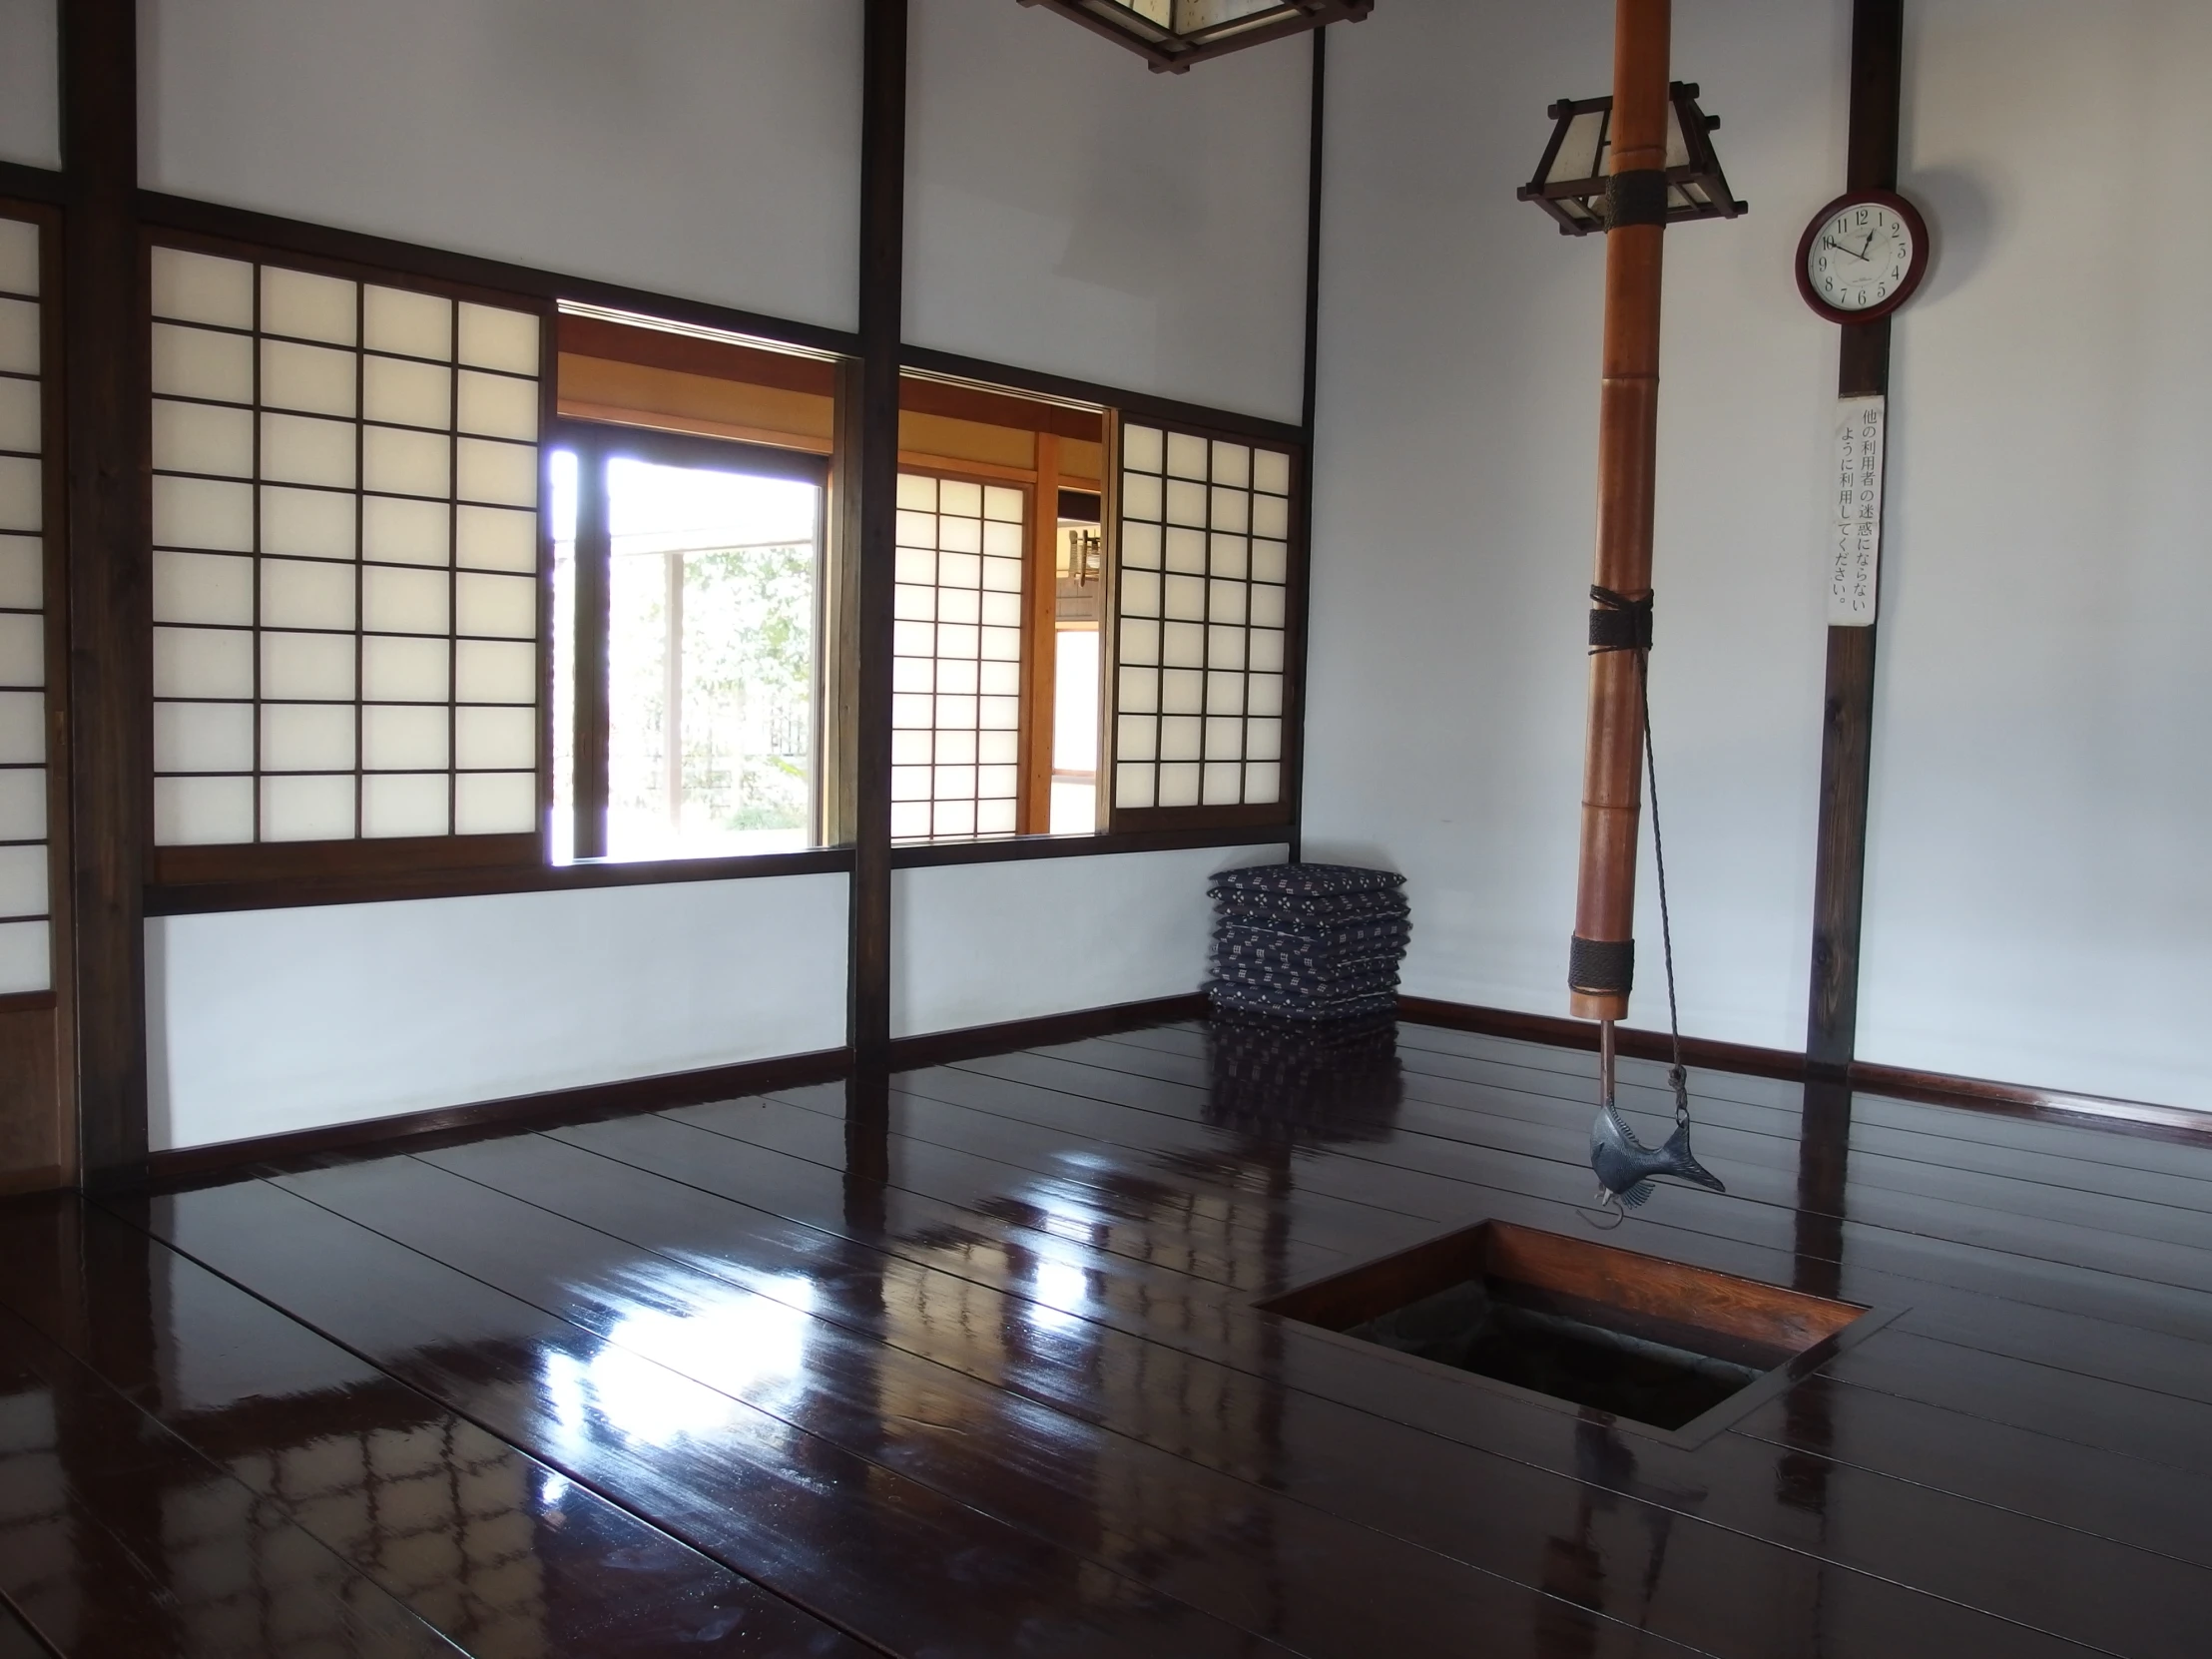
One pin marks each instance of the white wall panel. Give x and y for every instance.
(974, 944)
(261, 1022)
(30, 83)
(704, 148)
(2038, 901)
(1456, 479)
(1070, 210)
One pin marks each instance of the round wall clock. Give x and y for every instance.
(1863, 256)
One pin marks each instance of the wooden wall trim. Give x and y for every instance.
(1847, 719)
(105, 376)
(33, 183)
(2129, 1117)
(195, 898)
(1935, 1088)
(447, 1125)
(1559, 1031)
(882, 278)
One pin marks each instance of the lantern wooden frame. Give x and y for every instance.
(1172, 49)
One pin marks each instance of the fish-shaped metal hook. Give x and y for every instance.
(1625, 1166)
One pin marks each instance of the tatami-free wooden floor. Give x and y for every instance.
(969, 1367)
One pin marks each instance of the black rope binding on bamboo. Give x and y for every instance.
(1636, 198)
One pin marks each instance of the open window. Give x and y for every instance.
(1043, 585)
(690, 488)
(996, 678)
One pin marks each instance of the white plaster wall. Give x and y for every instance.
(1456, 479)
(975, 945)
(30, 83)
(1069, 210)
(702, 148)
(2038, 901)
(266, 1021)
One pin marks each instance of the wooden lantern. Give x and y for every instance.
(1171, 35)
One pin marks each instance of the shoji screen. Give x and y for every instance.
(1202, 606)
(26, 947)
(957, 672)
(345, 557)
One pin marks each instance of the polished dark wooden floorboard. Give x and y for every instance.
(966, 1361)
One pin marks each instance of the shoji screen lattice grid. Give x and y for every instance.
(1203, 589)
(345, 557)
(956, 668)
(26, 946)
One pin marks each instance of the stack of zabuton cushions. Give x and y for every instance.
(1308, 941)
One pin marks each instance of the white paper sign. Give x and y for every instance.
(1855, 512)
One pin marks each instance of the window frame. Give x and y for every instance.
(279, 874)
(601, 441)
(54, 605)
(315, 863)
(1280, 813)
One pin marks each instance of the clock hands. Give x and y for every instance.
(1853, 251)
(1869, 243)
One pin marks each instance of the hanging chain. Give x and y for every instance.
(1678, 1077)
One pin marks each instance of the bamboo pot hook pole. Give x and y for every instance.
(1602, 959)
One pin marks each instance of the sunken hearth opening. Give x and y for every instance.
(1656, 1343)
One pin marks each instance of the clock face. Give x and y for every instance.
(1862, 257)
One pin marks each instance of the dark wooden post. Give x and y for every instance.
(1601, 966)
(1847, 753)
(882, 230)
(110, 596)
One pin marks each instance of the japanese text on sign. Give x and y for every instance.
(1854, 516)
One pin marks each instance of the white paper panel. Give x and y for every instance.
(406, 738)
(307, 809)
(21, 418)
(395, 530)
(189, 287)
(22, 497)
(406, 804)
(26, 956)
(495, 802)
(703, 150)
(23, 805)
(203, 736)
(199, 362)
(22, 572)
(202, 438)
(22, 728)
(412, 325)
(23, 882)
(203, 811)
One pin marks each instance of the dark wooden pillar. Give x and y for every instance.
(882, 227)
(110, 607)
(1839, 866)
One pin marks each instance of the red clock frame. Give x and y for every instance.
(1908, 285)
